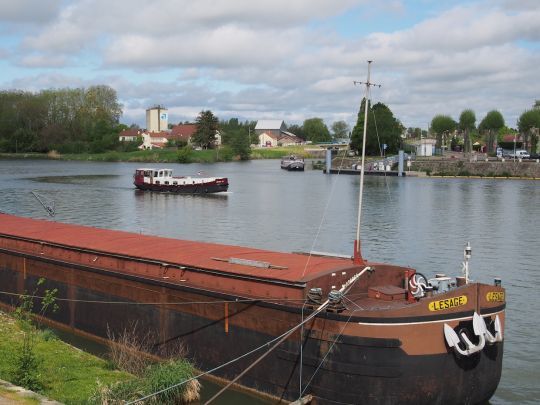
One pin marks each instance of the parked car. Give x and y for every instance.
(534, 156)
(520, 154)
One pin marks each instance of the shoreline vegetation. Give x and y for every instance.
(72, 376)
(437, 166)
(170, 155)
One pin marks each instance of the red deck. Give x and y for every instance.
(180, 252)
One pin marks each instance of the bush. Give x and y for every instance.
(226, 153)
(184, 155)
(155, 378)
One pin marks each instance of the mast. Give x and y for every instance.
(357, 256)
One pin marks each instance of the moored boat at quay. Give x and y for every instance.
(164, 181)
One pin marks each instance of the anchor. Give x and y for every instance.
(453, 340)
(490, 339)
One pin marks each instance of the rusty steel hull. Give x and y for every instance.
(365, 360)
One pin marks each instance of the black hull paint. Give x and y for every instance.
(357, 370)
(187, 189)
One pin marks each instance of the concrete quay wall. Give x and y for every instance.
(479, 168)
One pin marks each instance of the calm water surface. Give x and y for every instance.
(423, 223)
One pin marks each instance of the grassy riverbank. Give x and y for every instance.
(68, 375)
(72, 376)
(224, 154)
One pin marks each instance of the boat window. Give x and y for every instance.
(161, 173)
(148, 173)
(166, 182)
(175, 183)
(157, 181)
(155, 174)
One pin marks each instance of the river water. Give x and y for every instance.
(418, 222)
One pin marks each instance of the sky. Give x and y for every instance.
(280, 59)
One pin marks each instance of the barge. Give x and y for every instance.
(389, 337)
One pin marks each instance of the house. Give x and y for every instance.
(274, 133)
(154, 140)
(130, 135)
(424, 147)
(270, 127)
(182, 132)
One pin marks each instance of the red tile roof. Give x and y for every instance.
(183, 131)
(130, 132)
(510, 138)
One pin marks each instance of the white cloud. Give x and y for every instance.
(255, 59)
(42, 61)
(28, 11)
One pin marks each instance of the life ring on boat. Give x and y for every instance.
(417, 283)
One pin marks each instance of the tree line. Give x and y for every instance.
(87, 120)
(241, 135)
(66, 120)
(490, 130)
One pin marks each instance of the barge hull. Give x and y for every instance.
(355, 369)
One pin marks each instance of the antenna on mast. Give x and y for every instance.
(357, 256)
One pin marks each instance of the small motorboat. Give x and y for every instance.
(163, 180)
(292, 163)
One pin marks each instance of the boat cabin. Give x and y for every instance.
(160, 176)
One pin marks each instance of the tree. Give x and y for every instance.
(490, 125)
(316, 130)
(240, 143)
(205, 134)
(467, 121)
(529, 123)
(298, 130)
(340, 130)
(382, 128)
(442, 126)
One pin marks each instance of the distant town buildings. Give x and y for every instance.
(158, 134)
(274, 133)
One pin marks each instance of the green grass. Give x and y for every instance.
(280, 151)
(165, 155)
(69, 375)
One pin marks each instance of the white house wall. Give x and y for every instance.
(264, 138)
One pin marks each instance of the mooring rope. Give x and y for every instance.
(327, 353)
(278, 338)
(323, 217)
(345, 288)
